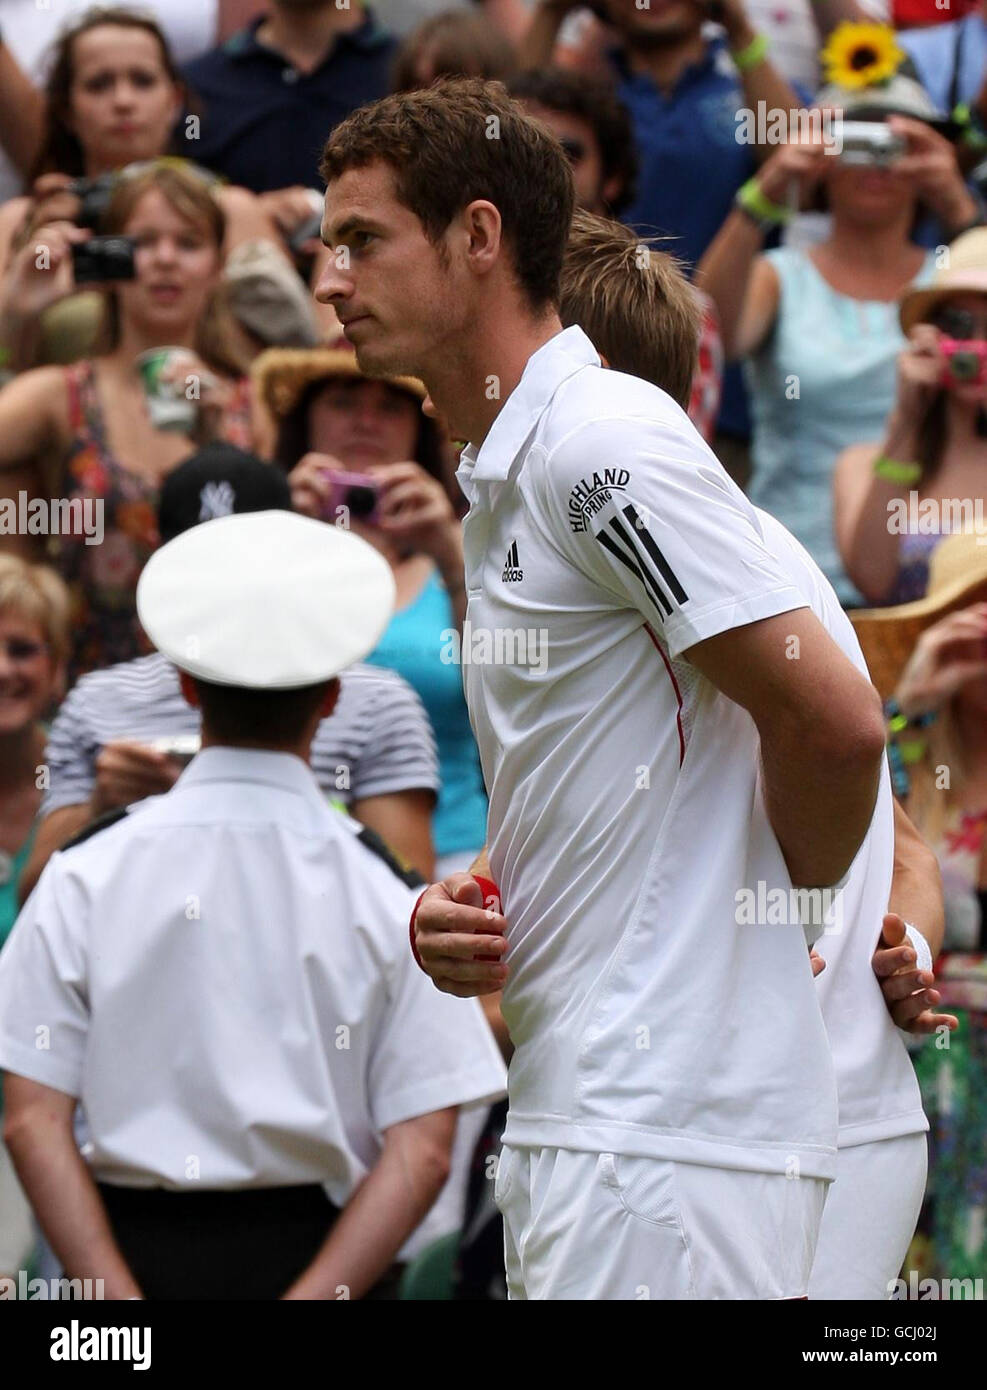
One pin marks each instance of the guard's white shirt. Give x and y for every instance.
(223, 978)
(878, 1090)
(626, 807)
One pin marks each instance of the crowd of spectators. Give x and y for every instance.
(842, 380)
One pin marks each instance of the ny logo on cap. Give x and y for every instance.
(216, 499)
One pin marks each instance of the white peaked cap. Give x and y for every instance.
(268, 600)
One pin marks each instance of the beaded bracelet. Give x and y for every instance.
(902, 755)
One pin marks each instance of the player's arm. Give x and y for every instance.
(821, 730)
(38, 1132)
(389, 1204)
(906, 982)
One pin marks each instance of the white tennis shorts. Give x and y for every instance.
(607, 1226)
(870, 1217)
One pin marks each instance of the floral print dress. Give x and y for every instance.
(102, 578)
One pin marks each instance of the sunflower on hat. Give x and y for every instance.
(861, 55)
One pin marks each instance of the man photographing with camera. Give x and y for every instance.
(671, 1066)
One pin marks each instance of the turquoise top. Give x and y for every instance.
(8, 897)
(411, 646)
(8, 890)
(824, 379)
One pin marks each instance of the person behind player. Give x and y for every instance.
(636, 312)
(669, 1068)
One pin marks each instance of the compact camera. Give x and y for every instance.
(870, 144)
(966, 361)
(94, 198)
(104, 258)
(356, 491)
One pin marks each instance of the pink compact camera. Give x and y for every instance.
(966, 361)
(357, 492)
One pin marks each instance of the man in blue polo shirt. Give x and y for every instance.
(683, 92)
(268, 97)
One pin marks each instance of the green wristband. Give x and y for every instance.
(973, 134)
(905, 474)
(755, 52)
(759, 207)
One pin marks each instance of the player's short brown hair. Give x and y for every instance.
(460, 140)
(633, 302)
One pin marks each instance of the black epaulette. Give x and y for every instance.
(409, 876)
(102, 822)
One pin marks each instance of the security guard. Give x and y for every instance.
(220, 976)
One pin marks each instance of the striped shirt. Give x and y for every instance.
(377, 741)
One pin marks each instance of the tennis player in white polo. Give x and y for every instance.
(657, 754)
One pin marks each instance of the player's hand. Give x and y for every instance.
(454, 931)
(128, 771)
(907, 991)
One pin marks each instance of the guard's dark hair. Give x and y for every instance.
(265, 718)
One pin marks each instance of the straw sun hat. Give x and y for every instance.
(957, 578)
(965, 272)
(282, 374)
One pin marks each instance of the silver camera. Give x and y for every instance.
(870, 144)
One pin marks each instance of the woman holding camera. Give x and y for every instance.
(84, 432)
(819, 326)
(113, 99)
(893, 500)
(360, 453)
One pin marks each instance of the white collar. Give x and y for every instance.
(554, 362)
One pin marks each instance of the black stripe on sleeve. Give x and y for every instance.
(660, 599)
(651, 546)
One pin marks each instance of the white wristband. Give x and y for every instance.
(923, 952)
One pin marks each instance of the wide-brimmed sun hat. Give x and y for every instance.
(281, 375)
(964, 271)
(957, 578)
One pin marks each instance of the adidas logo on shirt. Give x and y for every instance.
(512, 566)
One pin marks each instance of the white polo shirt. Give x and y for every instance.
(878, 1090)
(223, 979)
(626, 807)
